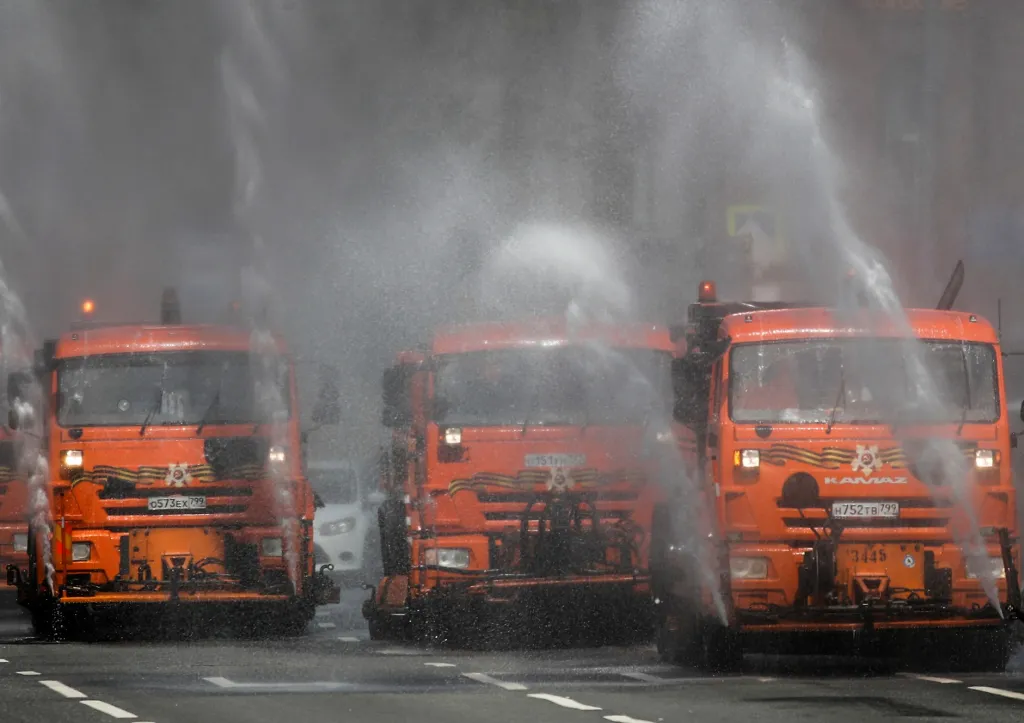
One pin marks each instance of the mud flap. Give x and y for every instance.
(13, 576)
(325, 591)
(1013, 594)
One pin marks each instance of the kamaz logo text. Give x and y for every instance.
(865, 480)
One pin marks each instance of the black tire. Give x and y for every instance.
(678, 640)
(722, 650)
(53, 622)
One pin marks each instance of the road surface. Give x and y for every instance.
(335, 673)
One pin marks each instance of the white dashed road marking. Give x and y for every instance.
(644, 677)
(998, 691)
(112, 710)
(65, 690)
(326, 626)
(349, 640)
(624, 719)
(484, 678)
(562, 701)
(440, 665)
(27, 672)
(932, 679)
(220, 682)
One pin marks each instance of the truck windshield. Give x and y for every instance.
(863, 381)
(168, 388)
(554, 386)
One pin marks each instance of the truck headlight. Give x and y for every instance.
(748, 568)
(20, 542)
(747, 458)
(71, 458)
(338, 527)
(277, 455)
(456, 558)
(985, 458)
(272, 547)
(453, 436)
(81, 551)
(994, 565)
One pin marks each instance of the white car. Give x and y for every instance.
(345, 529)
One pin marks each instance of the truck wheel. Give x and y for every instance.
(52, 621)
(722, 650)
(678, 640)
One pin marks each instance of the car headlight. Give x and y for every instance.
(71, 458)
(665, 436)
(453, 436)
(748, 568)
(81, 551)
(20, 542)
(985, 458)
(975, 568)
(747, 458)
(277, 455)
(338, 527)
(272, 547)
(456, 558)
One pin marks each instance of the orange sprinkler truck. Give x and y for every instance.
(173, 481)
(521, 479)
(851, 495)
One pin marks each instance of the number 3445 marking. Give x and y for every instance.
(868, 554)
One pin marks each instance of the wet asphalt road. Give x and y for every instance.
(335, 674)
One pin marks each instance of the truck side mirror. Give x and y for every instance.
(688, 403)
(318, 503)
(1022, 411)
(327, 410)
(395, 411)
(18, 386)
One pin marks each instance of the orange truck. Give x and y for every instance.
(521, 479)
(852, 497)
(174, 481)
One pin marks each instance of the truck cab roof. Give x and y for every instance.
(143, 338)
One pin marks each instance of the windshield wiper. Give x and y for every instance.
(209, 410)
(967, 391)
(840, 397)
(152, 410)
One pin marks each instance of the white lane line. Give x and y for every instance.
(220, 682)
(347, 639)
(940, 681)
(27, 672)
(624, 719)
(326, 626)
(440, 665)
(997, 691)
(65, 690)
(644, 677)
(402, 651)
(484, 678)
(4, 661)
(112, 710)
(562, 701)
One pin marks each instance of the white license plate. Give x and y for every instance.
(556, 460)
(176, 502)
(855, 510)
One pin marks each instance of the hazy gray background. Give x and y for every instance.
(382, 166)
